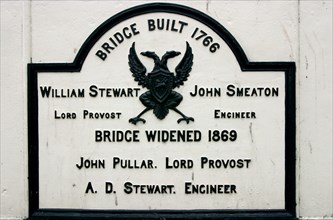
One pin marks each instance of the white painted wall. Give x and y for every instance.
(53, 31)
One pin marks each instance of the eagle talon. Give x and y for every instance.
(136, 120)
(185, 118)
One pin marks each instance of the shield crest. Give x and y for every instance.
(160, 83)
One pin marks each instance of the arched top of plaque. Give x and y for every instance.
(186, 11)
(167, 8)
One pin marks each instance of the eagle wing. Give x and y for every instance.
(184, 68)
(136, 67)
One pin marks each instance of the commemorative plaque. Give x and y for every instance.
(161, 115)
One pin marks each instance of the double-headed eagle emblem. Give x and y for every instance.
(160, 82)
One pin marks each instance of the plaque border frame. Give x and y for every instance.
(289, 69)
